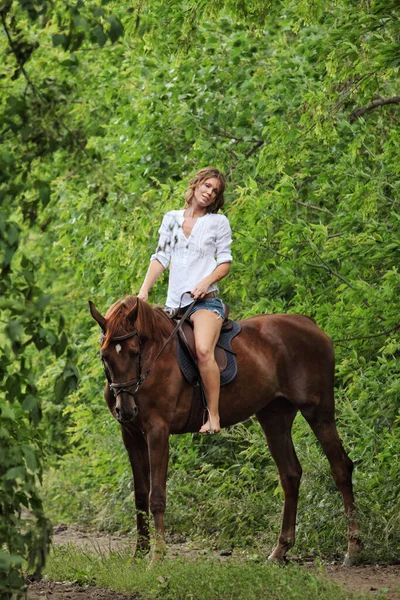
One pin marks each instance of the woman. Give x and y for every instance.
(196, 243)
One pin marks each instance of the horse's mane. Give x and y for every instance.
(151, 322)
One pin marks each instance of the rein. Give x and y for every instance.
(118, 388)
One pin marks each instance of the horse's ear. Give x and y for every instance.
(133, 313)
(97, 316)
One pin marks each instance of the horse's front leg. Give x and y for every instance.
(136, 446)
(157, 439)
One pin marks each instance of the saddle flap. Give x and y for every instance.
(186, 334)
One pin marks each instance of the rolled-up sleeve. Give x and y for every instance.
(223, 242)
(163, 252)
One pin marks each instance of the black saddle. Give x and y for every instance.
(224, 355)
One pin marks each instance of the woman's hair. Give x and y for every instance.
(200, 177)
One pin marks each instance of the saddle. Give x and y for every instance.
(224, 355)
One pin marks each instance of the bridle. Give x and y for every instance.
(118, 388)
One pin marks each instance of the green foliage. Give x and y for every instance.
(25, 329)
(202, 579)
(29, 332)
(104, 121)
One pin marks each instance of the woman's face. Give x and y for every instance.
(206, 192)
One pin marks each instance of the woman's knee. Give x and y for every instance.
(205, 354)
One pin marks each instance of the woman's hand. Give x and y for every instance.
(200, 289)
(153, 273)
(143, 295)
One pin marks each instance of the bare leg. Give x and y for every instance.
(157, 439)
(137, 450)
(324, 427)
(207, 327)
(276, 420)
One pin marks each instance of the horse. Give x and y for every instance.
(285, 365)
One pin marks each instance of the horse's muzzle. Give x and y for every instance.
(126, 416)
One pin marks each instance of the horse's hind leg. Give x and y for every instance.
(276, 420)
(322, 422)
(137, 449)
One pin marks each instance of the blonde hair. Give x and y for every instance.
(200, 177)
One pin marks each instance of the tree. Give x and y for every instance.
(292, 101)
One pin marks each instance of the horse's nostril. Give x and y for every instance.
(117, 410)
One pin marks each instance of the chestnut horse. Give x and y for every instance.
(285, 364)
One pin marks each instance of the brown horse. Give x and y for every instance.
(285, 364)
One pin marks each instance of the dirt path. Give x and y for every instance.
(374, 580)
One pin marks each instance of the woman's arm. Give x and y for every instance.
(160, 259)
(221, 271)
(154, 271)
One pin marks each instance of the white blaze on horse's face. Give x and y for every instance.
(118, 348)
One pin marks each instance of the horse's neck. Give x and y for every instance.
(158, 339)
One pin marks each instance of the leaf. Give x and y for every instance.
(98, 36)
(7, 412)
(14, 330)
(116, 28)
(12, 234)
(30, 457)
(44, 191)
(59, 389)
(29, 403)
(62, 344)
(8, 560)
(15, 473)
(59, 39)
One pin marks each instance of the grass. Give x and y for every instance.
(200, 579)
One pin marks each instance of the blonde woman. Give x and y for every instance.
(195, 242)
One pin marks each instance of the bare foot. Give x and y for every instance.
(211, 425)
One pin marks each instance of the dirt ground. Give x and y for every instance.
(373, 580)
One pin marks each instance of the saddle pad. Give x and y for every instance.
(189, 368)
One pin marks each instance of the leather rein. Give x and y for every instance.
(118, 388)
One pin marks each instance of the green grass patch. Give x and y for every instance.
(200, 579)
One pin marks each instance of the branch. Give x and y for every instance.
(41, 98)
(225, 134)
(254, 148)
(346, 93)
(138, 15)
(380, 102)
(311, 206)
(326, 267)
(367, 337)
(20, 64)
(330, 270)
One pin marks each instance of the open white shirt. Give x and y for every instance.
(192, 258)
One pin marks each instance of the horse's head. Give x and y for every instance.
(121, 353)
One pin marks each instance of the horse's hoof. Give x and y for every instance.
(158, 555)
(349, 561)
(140, 557)
(276, 561)
(141, 553)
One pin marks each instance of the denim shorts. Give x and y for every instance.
(213, 304)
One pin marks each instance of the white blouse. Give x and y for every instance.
(192, 258)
